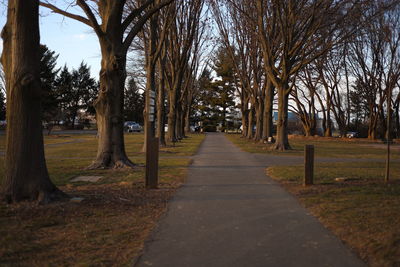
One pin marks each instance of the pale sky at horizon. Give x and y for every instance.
(72, 40)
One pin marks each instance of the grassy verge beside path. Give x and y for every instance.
(110, 225)
(363, 211)
(324, 147)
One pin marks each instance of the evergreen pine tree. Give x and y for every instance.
(75, 91)
(84, 90)
(48, 75)
(133, 102)
(224, 85)
(63, 89)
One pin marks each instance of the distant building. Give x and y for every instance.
(292, 117)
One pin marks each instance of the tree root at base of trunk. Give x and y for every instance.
(41, 197)
(119, 164)
(281, 147)
(46, 197)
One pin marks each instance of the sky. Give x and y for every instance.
(72, 40)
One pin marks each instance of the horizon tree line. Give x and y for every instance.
(312, 58)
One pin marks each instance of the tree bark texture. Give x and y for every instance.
(250, 121)
(282, 140)
(245, 111)
(26, 175)
(187, 121)
(268, 112)
(161, 103)
(172, 116)
(259, 121)
(179, 123)
(109, 107)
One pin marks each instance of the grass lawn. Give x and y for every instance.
(110, 225)
(363, 211)
(324, 147)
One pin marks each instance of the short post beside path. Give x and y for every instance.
(308, 165)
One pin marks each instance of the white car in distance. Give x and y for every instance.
(131, 126)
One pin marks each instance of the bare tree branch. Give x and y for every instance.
(55, 9)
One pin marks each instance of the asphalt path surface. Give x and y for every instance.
(229, 213)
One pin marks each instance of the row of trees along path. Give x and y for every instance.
(309, 54)
(271, 45)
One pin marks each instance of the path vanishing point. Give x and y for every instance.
(229, 213)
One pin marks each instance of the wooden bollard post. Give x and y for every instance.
(308, 165)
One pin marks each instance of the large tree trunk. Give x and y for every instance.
(161, 105)
(382, 122)
(309, 128)
(26, 175)
(187, 120)
(245, 111)
(259, 120)
(172, 116)
(268, 113)
(328, 122)
(109, 109)
(282, 140)
(250, 126)
(372, 133)
(179, 123)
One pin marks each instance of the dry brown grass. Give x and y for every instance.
(107, 228)
(324, 147)
(364, 212)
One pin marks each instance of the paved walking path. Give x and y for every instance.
(230, 214)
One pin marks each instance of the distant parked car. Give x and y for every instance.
(351, 134)
(131, 126)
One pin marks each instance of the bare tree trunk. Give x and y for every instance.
(245, 117)
(172, 117)
(282, 141)
(161, 103)
(328, 126)
(179, 123)
(372, 128)
(187, 121)
(26, 175)
(268, 112)
(309, 128)
(259, 121)
(250, 123)
(109, 109)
